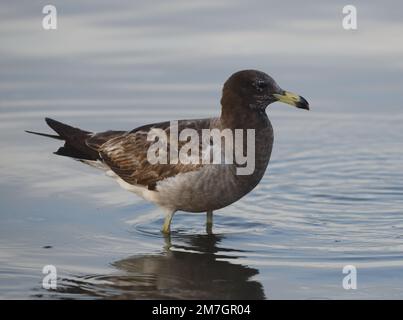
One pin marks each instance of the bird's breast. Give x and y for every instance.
(215, 186)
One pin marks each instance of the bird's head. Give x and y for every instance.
(256, 90)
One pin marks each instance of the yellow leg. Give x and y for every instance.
(166, 228)
(209, 222)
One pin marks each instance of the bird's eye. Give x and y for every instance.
(261, 84)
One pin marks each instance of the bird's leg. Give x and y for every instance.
(167, 240)
(166, 228)
(209, 222)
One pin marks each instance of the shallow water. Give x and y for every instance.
(332, 196)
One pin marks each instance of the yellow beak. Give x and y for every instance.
(292, 99)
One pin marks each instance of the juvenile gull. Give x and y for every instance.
(197, 187)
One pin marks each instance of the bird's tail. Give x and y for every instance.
(75, 140)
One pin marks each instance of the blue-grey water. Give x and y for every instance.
(333, 192)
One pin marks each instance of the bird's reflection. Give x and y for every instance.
(196, 268)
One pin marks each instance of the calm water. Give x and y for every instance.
(333, 193)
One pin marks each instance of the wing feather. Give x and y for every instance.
(126, 153)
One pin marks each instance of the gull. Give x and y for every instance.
(190, 187)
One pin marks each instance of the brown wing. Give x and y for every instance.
(126, 154)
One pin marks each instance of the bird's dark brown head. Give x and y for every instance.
(255, 90)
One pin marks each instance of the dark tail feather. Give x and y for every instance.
(65, 131)
(53, 136)
(75, 140)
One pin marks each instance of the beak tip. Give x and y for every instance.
(303, 104)
(305, 107)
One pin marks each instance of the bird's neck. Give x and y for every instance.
(237, 113)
